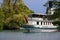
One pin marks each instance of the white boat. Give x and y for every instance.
(40, 21)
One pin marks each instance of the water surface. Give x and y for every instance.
(29, 36)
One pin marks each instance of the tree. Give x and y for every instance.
(14, 11)
(1, 20)
(56, 15)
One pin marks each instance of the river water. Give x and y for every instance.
(29, 36)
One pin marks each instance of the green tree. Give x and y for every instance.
(56, 15)
(14, 11)
(1, 20)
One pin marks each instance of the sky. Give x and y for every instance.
(35, 5)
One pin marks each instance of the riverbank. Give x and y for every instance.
(13, 30)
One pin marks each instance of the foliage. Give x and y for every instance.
(56, 17)
(1, 19)
(57, 23)
(14, 13)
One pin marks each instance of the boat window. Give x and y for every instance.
(48, 23)
(44, 23)
(41, 23)
(37, 22)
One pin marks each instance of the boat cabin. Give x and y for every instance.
(40, 20)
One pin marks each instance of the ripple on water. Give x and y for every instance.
(29, 36)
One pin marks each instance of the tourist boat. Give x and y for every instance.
(39, 21)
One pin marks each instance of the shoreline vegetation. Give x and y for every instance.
(12, 14)
(13, 31)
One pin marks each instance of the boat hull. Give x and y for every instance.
(39, 28)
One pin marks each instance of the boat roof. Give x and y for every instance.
(40, 20)
(38, 14)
